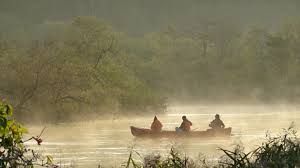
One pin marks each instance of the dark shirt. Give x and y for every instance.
(186, 125)
(156, 125)
(217, 123)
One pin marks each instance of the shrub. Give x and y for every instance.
(282, 151)
(13, 152)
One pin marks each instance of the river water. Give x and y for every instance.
(107, 143)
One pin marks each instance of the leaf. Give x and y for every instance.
(49, 160)
(3, 122)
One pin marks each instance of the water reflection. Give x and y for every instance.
(87, 144)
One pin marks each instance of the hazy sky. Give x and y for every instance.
(140, 16)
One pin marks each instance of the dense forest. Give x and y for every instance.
(61, 66)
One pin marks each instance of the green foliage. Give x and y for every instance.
(85, 66)
(81, 71)
(220, 61)
(13, 152)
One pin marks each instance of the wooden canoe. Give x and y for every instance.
(143, 132)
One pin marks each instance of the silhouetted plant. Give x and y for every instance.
(236, 158)
(279, 152)
(175, 160)
(282, 151)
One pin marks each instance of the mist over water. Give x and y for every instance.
(66, 62)
(108, 142)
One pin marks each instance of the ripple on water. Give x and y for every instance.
(87, 144)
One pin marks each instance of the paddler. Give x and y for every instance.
(217, 123)
(185, 125)
(156, 125)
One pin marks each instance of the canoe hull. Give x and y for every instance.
(142, 132)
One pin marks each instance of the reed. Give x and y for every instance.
(281, 151)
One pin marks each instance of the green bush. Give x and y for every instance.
(13, 152)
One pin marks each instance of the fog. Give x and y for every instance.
(87, 70)
(138, 17)
(108, 142)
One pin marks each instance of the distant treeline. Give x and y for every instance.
(79, 68)
(86, 66)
